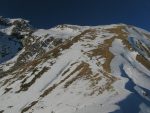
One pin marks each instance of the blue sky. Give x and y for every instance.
(48, 13)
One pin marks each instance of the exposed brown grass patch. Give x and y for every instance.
(50, 89)
(84, 71)
(122, 35)
(107, 54)
(91, 34)
(143, 61)
(103, 50)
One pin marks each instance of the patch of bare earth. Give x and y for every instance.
(143, 61)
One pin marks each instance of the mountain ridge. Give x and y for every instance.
(75, 69)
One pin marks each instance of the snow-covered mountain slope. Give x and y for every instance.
(74, 69)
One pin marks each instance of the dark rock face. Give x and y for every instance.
(12, 43)
(4, 21)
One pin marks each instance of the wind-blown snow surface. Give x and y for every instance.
(75, 69)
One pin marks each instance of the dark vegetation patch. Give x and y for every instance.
(26, 86)
(28, 107)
